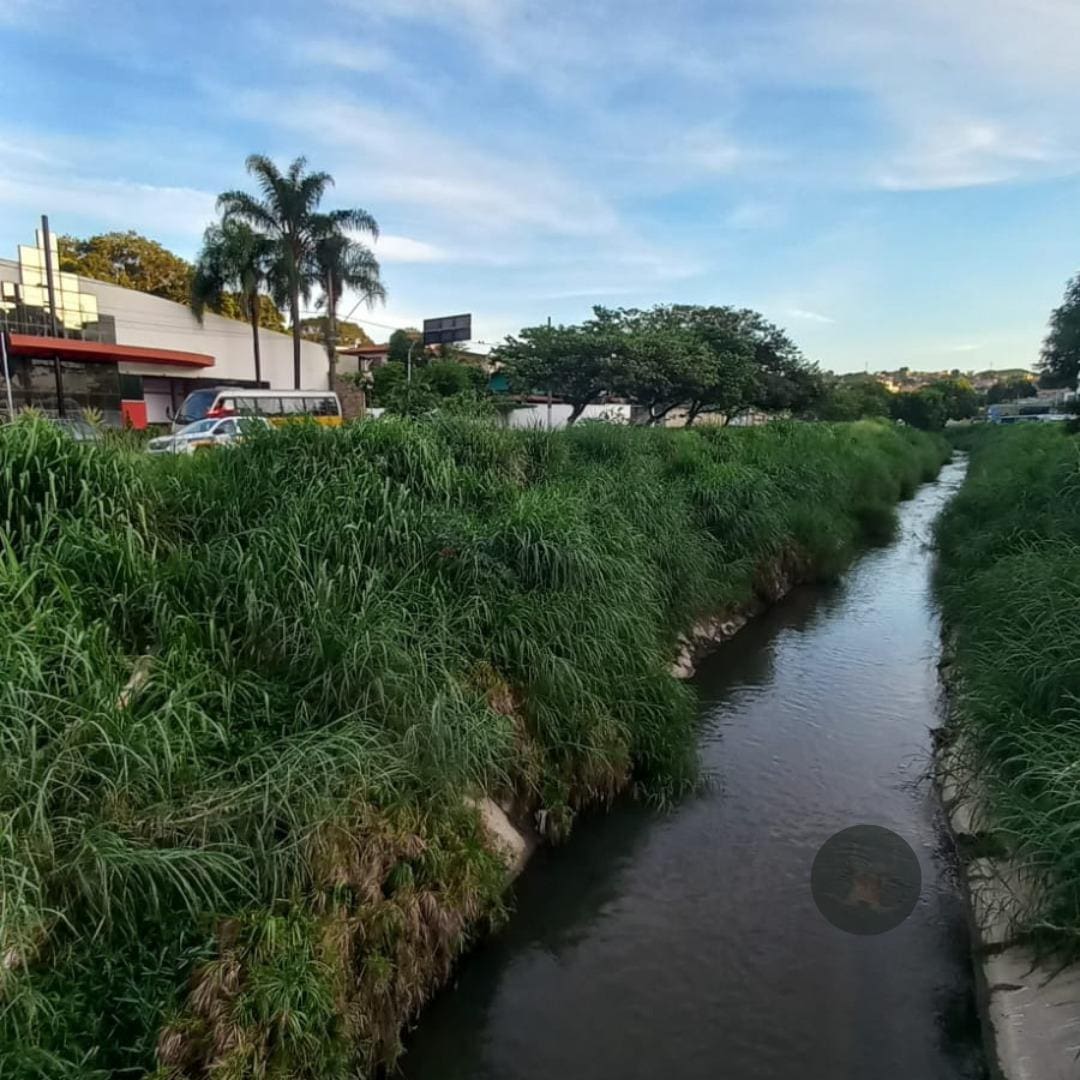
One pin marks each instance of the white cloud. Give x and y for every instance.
(403, 249)
(363, 57)
(110, 204)
(460, 181)
(950, 153)
(809, 316)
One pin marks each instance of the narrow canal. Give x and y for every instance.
(689, 944)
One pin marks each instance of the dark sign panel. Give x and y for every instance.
(447, 329)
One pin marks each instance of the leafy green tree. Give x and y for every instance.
(315, 328)
(1011, 389)
(339, 262)
(785, 381)
(853, 398)
(660, 362)
(575, 363)
(720, 328)
(414, 399)
(233, 257)
(399, 343)
(232, 306)
(130, 260)
(385, 380)
(959, 398)
(924, 409)
(448, 378)
(287, 210)
(445, 379)
(1060, 359)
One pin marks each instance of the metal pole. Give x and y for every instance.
(47, 244)
(549, 391)
(7, 374)
(408, 362)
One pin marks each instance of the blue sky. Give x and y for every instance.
(895, 182)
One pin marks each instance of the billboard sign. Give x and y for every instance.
(447, 329)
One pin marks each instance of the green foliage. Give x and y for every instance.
(348, 333)
(703, 359)
(1011, 389)
(135, 262)
(416, 398)
(578, 363)
(1009, 582)
(246, 698)
(441, 384)
(130, 260)
(855, 397)
(1060, 359)
(234, 256)
(448, 378)
(305, 239)
(398, 347)
(232, 306)
(338, 262)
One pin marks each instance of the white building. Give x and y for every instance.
(132, 356)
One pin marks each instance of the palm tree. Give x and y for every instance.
(234, 258)
(287, 211)
(340, 263)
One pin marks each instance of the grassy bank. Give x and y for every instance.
(1009, 581)
(245, 697)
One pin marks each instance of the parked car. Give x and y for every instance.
(205, 434)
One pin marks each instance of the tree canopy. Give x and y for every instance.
(1060, 359)
(234, 257)
(1010, 389)
(130, 260)
(857, 397)
(135, 262)
(307, 240)
(398, 344)
(701, 359)
(348, 333)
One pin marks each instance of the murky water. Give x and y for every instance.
(688, 944)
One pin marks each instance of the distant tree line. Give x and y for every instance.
(929, 407)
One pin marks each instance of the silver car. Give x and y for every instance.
(205, 434)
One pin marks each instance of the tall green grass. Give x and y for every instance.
(246, 699)
(1009, 581)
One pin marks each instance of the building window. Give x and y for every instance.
(66, 387)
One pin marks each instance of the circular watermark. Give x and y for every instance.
(866, 880)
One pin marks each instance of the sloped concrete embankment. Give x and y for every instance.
(1030, 1005)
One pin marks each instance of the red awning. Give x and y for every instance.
(68, 349)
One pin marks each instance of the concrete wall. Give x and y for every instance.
(537, 415)
(148, 320)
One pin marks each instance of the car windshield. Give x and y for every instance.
(200, 427)
(197, 404)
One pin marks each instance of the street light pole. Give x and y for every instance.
(7, 374)
(408, 361)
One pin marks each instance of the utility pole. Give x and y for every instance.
(549, 389)
(331, 328)
(408, 361)
(7, 374)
